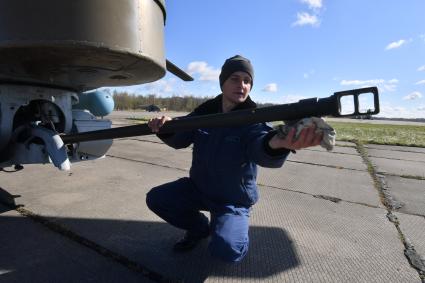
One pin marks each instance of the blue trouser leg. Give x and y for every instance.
(229, 233)
(179, 204)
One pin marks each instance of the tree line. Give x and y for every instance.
(126, 101)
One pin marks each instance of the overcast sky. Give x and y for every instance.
(301, 48)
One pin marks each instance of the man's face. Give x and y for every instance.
(237, 87)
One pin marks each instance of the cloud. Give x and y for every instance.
(312, 17)
(305, 18)
(414, 95)
(421, 68)
(391, 111)
(395, 44)
(272, 87)
(359, 82)
(161, 86)
(383, 85)
(399, 109)
(313, 4)
(420, 82)
(205, 72)
(308, 74)
(393, 81)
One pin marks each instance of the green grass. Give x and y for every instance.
(405, 135)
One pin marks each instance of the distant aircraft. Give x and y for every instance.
(54, 55)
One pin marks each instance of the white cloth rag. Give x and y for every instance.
(329, 133)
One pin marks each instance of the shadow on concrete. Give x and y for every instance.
(8, 200)
(144, 245)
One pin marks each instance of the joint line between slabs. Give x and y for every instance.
(409, 251)
(324, 165)
(319, 196)
(149, 163)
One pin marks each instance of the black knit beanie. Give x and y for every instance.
(235, 64)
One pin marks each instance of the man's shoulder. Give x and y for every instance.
(209, 107)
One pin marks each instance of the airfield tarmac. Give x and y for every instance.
(355, 214)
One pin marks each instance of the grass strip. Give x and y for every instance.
(401, 135)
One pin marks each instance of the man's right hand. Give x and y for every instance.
(156, 123)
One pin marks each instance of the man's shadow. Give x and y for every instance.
(8, 201)
(271, 251)
(146, 244)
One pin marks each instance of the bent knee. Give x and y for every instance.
(227, 249)
(152, 199)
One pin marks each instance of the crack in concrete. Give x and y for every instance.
(134, 139)
(320, 149)
(414, 177)
(149, 163)
(333, 152)
(325, 165)
(403, 150)
(332, 199)
(101, 250)
(187, 149)
(393, 158)
(325, 197)
(388, 201)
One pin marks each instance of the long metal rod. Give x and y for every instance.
(329, 106)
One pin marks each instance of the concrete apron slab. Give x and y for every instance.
(404, 194)
(96, 189)
(397, 155)
(152, 152)
(399, 167)
(340, 157)
(335, 241)
(413, 227)
(348, 185)
(29, 252)
(155, 152)
(93, 201)
(294, 237)
(408, 193)
(337, 149)
(150, 149)
(349, 161)
(396, 148)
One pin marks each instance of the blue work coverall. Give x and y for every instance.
(222, 180)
